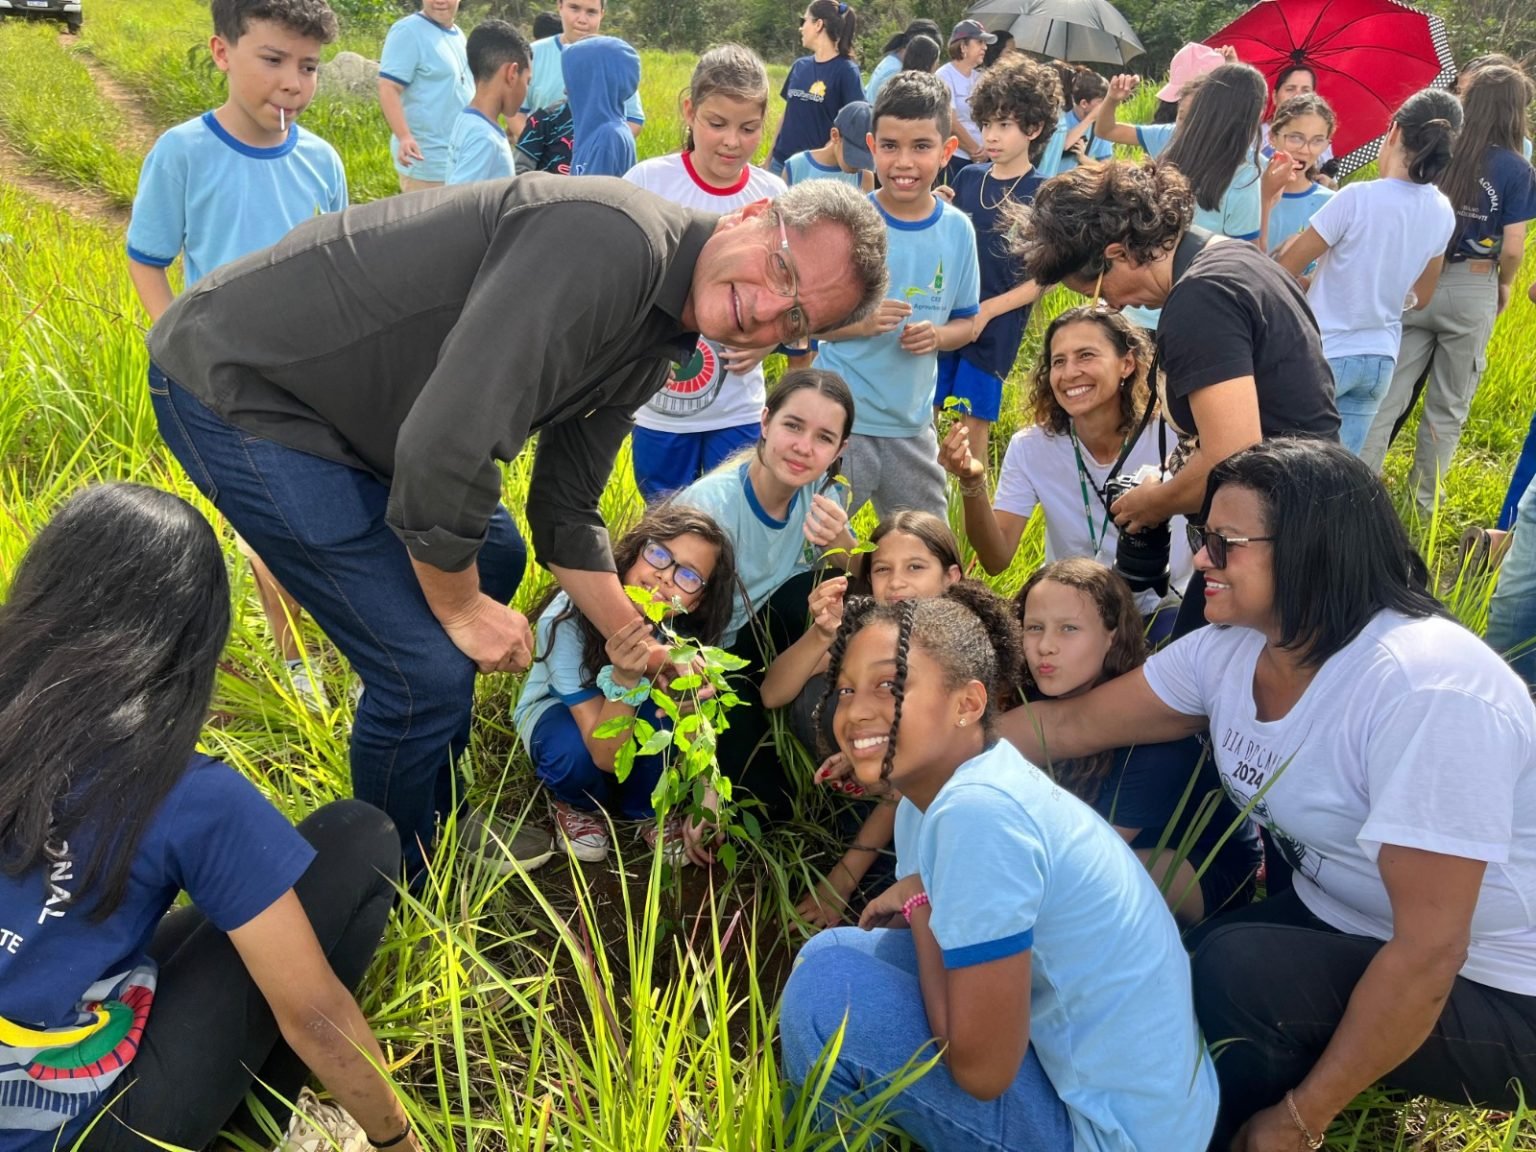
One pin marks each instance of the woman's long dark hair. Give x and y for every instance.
(1215, 138)
(839, 21)
(898, 43)
(1494, 116)
(109, 641)
(1341, 554)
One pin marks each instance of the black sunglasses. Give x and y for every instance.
(1216, 545)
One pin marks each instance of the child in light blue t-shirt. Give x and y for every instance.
(1067, 993)
(424, 83)
(499, 61)
(548, 87)
(891, 360)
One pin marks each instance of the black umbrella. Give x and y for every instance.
(1080, 31)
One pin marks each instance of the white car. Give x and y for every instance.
(65, 10)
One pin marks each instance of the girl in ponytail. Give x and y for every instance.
(820, 84)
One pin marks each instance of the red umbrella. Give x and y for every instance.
(1368, 57)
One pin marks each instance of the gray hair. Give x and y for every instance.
(833, 202)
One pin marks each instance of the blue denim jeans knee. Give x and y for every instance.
(319, 525)
(1512, 611)
(1359, 384)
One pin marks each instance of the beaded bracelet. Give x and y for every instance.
(912, 905)
(612, 690)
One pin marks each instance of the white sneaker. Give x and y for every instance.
(584, 834)
(306, 687)
(319, 1126)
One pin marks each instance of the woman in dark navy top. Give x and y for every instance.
(820, 84)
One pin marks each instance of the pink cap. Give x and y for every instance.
(1188, 62)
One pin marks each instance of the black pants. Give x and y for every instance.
(1275, 980)
(211, 1035)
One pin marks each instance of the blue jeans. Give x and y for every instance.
(1520, 480)
(1512, 611)
(561, 760)
(870, 978)
(319, 526)
(666, 462)
(1359, 383)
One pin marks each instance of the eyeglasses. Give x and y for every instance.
(1295, 140)
(785, 282)
(686, 579)
(1216, 545)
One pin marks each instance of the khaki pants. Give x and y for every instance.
(411, 184)
(1450, 338)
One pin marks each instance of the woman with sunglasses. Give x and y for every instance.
(1392, 756)
(580, 681)
(1240, 355)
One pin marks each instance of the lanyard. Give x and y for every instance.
(1084, 482)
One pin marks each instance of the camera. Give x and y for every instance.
(1140, 557)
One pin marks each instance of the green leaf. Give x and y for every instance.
(865, 546)
(624, 761)
(951, 402)
(643, 730)
(654, 610)
(683, 653)
(728, 661)
(727, 854)
(686, 683)
(749, 822)
(656, 742)
(667, 705)
(615, 726)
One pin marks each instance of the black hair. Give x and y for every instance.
(547, 24)
(1329, 513)
(1166, 112)
(839, 21)
(969, 631)
(1290, 70)
(109, 642)
(1022, 91)
(1430, 121)
(995, 50)
(1088, 85)
(312, 18)
(661, 522)
(492, 45)
(913, 96)
(1215, 138)
(900, 40)
(920, 55)
(1494, 106)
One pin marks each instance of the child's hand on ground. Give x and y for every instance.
(920, 339)
(884, 911)
(826, 521)
(629, 651)
(826, 905)
(826, 605)
(955, 455)
(701, 836)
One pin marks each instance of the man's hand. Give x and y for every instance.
(495, 637)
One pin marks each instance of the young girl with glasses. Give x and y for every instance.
(1303, 129)
(579, 681)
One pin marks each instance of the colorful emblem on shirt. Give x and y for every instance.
(693, 384)
(934, 289)
(819, 89)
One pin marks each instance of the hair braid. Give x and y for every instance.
(855, 608)
(907, 610)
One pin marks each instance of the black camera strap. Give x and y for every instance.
(1141, 426)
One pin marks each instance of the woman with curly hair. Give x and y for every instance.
(1240, 355)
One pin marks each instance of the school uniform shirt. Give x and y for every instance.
(700, 395)
(547, 87)
(75, 994)
(802, 166)
(207, 196)
(1012, 863)
(1292, 213)
(1234, 312)
(889, 65)
(1239, 213)
(933, 267)
(557, 674)
(814, 93)
(429, 62)
(960, 88)
(1415, 734)
(1097, 149)
(1506, 195)
(769, 552)
(1154, 138)
(983, 197)
(1041, 471)
(478, 149)
(1381, 234)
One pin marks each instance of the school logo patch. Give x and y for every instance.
(693, 385)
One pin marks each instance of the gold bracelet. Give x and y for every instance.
(1312, 1142)
(977, 489)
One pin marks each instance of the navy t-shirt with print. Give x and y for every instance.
(813, 96)
(982, 197)
(1506, 195)
(214, 837)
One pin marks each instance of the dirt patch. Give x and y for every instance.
(17, 172)
(140, 133)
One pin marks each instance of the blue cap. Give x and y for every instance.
(853, 124)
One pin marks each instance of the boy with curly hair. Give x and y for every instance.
(1015, 106)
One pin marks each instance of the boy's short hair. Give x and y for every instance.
(1088, 85)
(493, 44)
(913, 96)
(1020, 90)
(546, 24)
(312, 18)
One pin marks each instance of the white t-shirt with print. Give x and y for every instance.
(701, 396)
(1415, 734)
(1040, 470)
(960, 87)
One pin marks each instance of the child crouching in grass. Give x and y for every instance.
(579, 682)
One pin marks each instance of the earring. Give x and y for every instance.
(961, 722)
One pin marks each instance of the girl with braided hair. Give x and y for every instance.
(994, 943)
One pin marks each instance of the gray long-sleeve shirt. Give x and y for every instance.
(425, 337)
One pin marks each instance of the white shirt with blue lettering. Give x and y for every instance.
(933, 267)
(556, 675)
(547, 87)
(1012, 862)
(769, 552)
(208, 195)
(478, 149)
(429, 62)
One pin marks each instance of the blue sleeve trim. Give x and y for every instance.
(1249, 236)
(396, 79)
(973, 954)
(962, 313)
(635, 119)
(569, 698)
(144, 258)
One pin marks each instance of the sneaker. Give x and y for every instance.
(669, 834)
(306, 687)
(322, 1126)
(584, 834)
(503, 845)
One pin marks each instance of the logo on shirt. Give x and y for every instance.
(693, 385)
(819, 89)
(933, 291)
